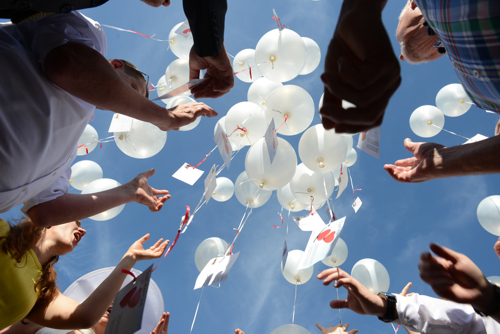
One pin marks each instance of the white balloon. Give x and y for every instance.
(453, 101)
(291, 272)
(260, 90)
(494, 280)
(266, 175)
(427, 121)
(317, 205)
(162, 89)
(296, 104)
(372, 274)
(306, 183)
(208, 249)
(322, 150)
(338, 255)
(224, 189)
(88, 138)
(288, 200)
(313, 56)
(351, 158)
(177, 74)
(248, 193)
(488, 214)
(178, 100)
(281, 55)
(84, 172)
(244, 60)
(144, 140)
(236, 143)
(103, 185)
(249, 116)
(290, 329)
(180, 44)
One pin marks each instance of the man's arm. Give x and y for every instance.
(432, 161)
(86, 74)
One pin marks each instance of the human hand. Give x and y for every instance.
(422, 167)
(360, 67)
(455, 277)
(497, 128)
(337, 329)
(359, 299)
(157, 3)
(238, 331)
(162, 327)
(497, 248)
(187, 113)
(138, 253)
(219, 70)
(140, 191)
(405, 293)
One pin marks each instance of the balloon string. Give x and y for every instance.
(453, 133)
(196, 313)
(135, 32)
(202, 161)
(100, 141)
(395, 329)
(281, 216)
(278, 21)
(249, 68)
(237, 128)
(128, 272)
(286, 117)
(338, 298)
(240, 228)
(332, 215)
(294, 300)
(352, 185)
(312, 200)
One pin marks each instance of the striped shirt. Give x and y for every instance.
(470, 32)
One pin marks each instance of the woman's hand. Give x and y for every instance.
(138, 253)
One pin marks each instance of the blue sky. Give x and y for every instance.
(395, 224)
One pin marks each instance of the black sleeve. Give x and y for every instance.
(206, 20)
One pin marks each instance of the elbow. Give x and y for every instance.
(88, 322)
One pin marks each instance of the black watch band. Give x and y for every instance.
(497, 303)
(391, 307)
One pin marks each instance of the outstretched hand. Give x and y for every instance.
(420, 168)
(360, 67)
(336, 330)
(187, 113)
(359, 299)
(162, 326)
(454, 276)
(138, 252)
(219, 71)
(141, 192)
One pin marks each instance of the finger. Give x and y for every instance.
(339, 304)
(405, 289)
(396, 174)
(167, 319)
(445, 253)
(320, 327)
(149, 173)
(408, 162)
(159, 192)
(353, 331)
(411, 146)
(328, 124)
(351, 129)
(346, 325)
(156, 244)
(143, 239)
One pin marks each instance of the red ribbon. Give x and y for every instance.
(86, 148)
(312, 197)
(286, 117)
(202, 161)
(125, 271)
(186, 31)
(231, 249)
(281, 221)
(237, 128)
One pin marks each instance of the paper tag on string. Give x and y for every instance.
(188, 174)
(184, 30)
(128, 306)
(475, 139)
(216, 270)
(310, 222)
(210, 184)
(357, 204)
(321, 243)
(224, 145)
(120, 123)
(343, 180)
(369, 142)
(181, 89)
(271, 141)
(284, 256)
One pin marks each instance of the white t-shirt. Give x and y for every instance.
(40, 124)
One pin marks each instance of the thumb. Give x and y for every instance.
(411, 146)
(445, 253)
(320, 327)
(149, 173)
(143, 239)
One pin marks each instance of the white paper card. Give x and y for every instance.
(310, 222)
(343, 180)
(321, 243)
(357, 204)
(271, 141)
(475, 139)
(369, 142)
(184, 30)
(224, 145)
(210, 184)
(187, 174)
(216, 270)
(120, 123)
(129, 303)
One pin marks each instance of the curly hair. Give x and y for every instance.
(23, 237)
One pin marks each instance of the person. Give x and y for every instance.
(324, 330)
(476, 69)
(405, 293)
(454, 276)
(497, 128)
(63, 56)
(27, 255)
(419, 313)
(360, 67)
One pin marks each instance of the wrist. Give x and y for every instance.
(490, 303)
(128, 260)
(128, 191)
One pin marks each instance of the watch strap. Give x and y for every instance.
(391, 307)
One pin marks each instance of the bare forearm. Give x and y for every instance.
(71, 207)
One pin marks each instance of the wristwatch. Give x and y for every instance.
(391, 307)
(497, 303)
